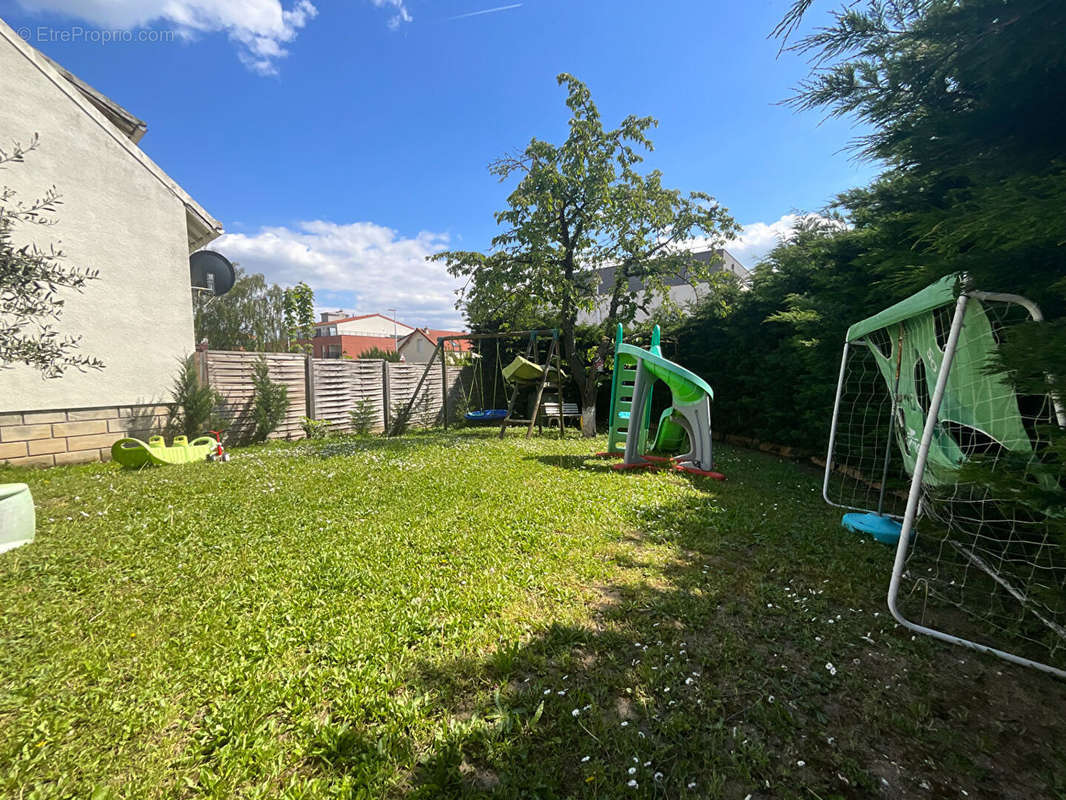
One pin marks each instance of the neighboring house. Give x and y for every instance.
(338, 335)
(418, 346)
(121, 215)
(683, 291)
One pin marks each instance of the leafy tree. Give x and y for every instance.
(300, 317)
(579, 205)
(771, 352)
(250, 316)
(32, 281)
(270, 401)
(957, 97)
(315, 428)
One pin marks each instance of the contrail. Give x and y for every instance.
(486, 11)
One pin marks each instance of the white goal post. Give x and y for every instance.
(917, 410)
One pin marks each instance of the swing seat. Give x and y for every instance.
(884, 529)
(488, 415)
(522, 370)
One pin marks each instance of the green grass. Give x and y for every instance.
(451, 615)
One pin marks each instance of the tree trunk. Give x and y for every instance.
(588, 407)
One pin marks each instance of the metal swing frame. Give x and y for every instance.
(554, 351)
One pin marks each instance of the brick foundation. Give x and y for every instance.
(51, 438)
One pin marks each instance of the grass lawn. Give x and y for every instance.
(451, 615)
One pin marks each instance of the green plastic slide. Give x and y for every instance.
(689, 416)
(134, 453)
(670, 435)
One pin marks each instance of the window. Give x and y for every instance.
(333, 351)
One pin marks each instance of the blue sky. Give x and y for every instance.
(340, 142)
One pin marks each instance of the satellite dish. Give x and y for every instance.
(211, 272)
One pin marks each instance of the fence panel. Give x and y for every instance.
(338, 387)
(403, 380)
(341, 385)
(230, 373)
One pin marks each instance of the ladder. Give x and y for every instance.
(531, 354)
(623, 382)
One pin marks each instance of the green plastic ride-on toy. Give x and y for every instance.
(134, 453)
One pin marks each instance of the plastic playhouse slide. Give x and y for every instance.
(689, 416)
(135, 453)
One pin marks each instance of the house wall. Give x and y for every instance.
(351, 346)
(372, 326)
(115, 217)
(50, 438)
(417, 349)
(683, 295)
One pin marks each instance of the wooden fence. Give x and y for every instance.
(230, 373)
(339, 387)
(402, 380)
(330, 389)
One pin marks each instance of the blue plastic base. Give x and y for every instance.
(489, 415)
(883, 529)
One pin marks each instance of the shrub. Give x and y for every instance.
(363, 417)
(315, 428)
(270, 402)
(195, 408)
(459, 409)
(400, 418)
(378, 353)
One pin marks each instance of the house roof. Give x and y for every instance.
(118, 116)
(125, 128)
(360, 316)
(433, 334)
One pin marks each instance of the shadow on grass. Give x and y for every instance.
(742, 650)
(585, 463)
(593, 463)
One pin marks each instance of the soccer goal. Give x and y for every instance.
(933, 450)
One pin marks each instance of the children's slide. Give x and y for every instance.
(688, 417)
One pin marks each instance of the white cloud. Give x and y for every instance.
(401, 14)
(260, 28)
(361, 267)
(757, 239)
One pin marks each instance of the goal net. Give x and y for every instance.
(925, 431)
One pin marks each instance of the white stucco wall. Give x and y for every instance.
(683, 296)
(373, 326)
(417, 349)
(116, 217)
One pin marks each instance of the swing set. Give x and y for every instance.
(523, 374)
